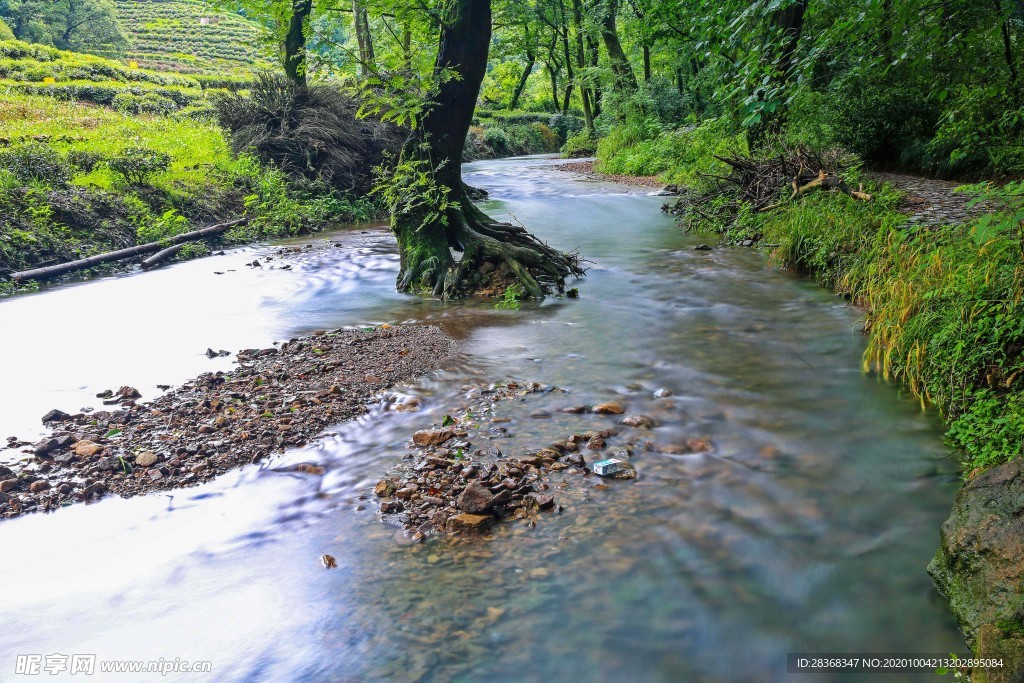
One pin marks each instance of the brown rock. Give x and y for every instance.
(609, 408)
(639, 421)
(39, 486)
(544, 500)
(475, 498)
(8, 485)
(467, 522)
(596, 443)
(431, 437)
(384, 488)
(87, 449)
(146, 459)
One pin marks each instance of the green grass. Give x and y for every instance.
(61, 197)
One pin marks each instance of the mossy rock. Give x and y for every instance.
(980, 564)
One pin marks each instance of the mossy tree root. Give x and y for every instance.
(446, 261)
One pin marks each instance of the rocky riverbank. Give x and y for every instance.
(456, 479)
(277, 398)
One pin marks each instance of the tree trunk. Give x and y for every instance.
(295, 42)
(361, 20)
(595, 56)
(625, 79)
(790, 22)
(553, 72)
(531, 59)
(581, 64)
(407, 47)
(567, 53)
(444, 246)
(1011, 63)
(647, 63)
(50, 272)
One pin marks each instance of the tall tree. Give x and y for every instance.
(625, 79)
(80, 25)
(445, 240)
(293, 46)
(361, 22)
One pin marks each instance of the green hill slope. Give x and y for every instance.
(188, 36)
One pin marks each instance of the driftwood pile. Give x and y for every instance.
(764, 184)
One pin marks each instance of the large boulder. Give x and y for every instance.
(980, 566)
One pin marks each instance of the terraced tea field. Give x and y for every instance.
(188, 36)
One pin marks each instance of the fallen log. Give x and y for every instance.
(51, 272)
(160, 256)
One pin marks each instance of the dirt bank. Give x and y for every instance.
(586, 168)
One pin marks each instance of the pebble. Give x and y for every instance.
(146, 459)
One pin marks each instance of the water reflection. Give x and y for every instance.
(806, 528)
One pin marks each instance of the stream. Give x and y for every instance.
(807, 528)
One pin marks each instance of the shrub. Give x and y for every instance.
(5, 31)
(580, 144)
(565, 125)
(497, 139)
(641, 147)
(84, 160)
(979, 133)
(312, 132)
(149, 103)
(138, 164)
(36, 162)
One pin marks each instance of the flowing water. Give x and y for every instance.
(806, 529)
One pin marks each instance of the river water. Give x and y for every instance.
(807, 528)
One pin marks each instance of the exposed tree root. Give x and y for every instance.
(479, 254)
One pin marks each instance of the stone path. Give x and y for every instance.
(930, 202)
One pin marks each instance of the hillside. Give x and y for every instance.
(188, 36)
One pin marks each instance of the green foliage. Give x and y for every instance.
(582, 143)
(81, 25)
(24, 62)
(412, 194)
(137, 165)
(498, 138)
(513, 297)
(62, 199)
(150, 103)
(565, 125)
(168, 224)
(980, 131)
(641, 147)
(5, 31)
(880, 122)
